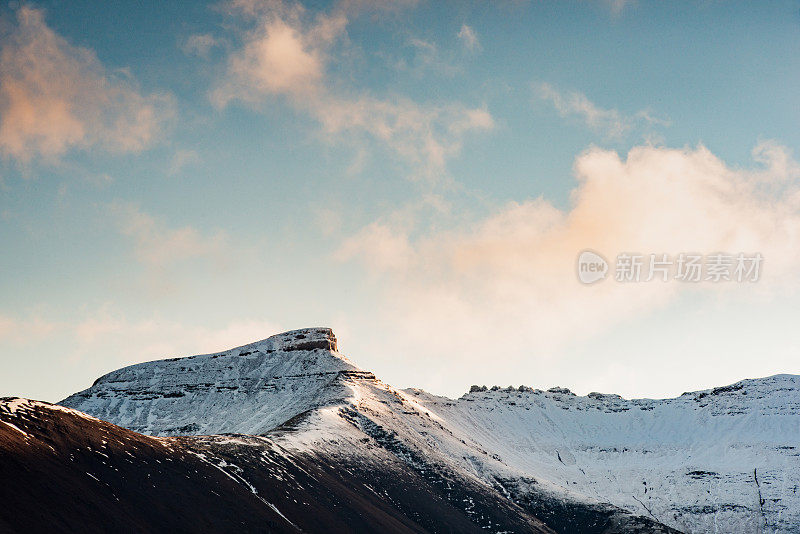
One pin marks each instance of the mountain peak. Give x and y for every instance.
(251, 388)
(302, 339)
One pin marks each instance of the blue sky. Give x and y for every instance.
(420, 176)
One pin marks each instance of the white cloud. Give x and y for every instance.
(469, 38)
(55, 97)
(505, 285)
(610, 122)
(288, 55)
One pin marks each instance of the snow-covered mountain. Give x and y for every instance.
(64, 471)
(246, 390)
(720, 460)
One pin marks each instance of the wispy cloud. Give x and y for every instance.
(200, 44)
(288, 54)
(181, 160)
(142, 339)
(101, 338)
(469, 38)
(608, 121)
(618, 6)
(160, 248)
(427, 60)
(55, 97)
(18, 331)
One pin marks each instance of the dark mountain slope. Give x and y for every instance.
(63, 471)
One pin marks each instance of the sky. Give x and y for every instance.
(181, 178)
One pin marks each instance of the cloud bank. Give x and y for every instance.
(507, 282)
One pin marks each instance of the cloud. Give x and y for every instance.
(55, 97)
(609, 122)
(427, 60)
(285, 53)
(18, 332)
(288, 54)
(156, 337)
(618, 6)
(469, 38)
(98, 340)
(505, 285)
(279, 61)
(200, 44)
(158, 246)
(181, 160)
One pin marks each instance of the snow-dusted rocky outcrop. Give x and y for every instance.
(720, 460)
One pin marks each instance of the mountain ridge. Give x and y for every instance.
(716, 458)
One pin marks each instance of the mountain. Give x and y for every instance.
(719, 460)
(294, 398)
(64, 471)
(513, 459)
(246, 390)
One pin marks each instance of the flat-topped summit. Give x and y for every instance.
(248, 389)
(303, 339)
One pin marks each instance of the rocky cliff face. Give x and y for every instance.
(719, 460)
(249, 389)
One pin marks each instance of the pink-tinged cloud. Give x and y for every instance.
(55, 97)
(507, 282)
(102, 338)
(287, 55)
(164, 250)
(158, 245)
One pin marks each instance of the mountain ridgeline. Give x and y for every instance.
(300, 439)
